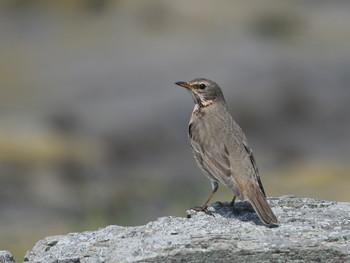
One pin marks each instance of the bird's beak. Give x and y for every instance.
(184, 84)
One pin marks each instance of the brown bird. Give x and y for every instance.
(221, 148)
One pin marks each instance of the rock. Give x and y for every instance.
(310, 230)
(6, 257)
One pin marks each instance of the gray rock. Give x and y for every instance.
(310, 230)
(6, 257)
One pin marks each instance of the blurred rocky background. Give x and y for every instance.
(94, 132)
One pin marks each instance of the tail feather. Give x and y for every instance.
(261, 206)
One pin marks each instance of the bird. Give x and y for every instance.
(221, 149)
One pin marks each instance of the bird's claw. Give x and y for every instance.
(204, 209)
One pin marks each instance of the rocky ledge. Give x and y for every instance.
(310, 230)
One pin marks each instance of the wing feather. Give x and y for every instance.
(214, 158)
(255, 167)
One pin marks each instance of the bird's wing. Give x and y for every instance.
(232, 165)
(253, 163)
(214, 157)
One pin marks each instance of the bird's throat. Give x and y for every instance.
(200, 107)
(206, 103)
(201, 103)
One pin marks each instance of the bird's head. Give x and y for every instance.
(203, 91)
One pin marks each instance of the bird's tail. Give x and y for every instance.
(260, 205)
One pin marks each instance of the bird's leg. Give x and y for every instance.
(232, 204)
(204, 208)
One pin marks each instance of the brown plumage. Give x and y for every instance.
(221, 148)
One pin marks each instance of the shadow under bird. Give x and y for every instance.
(221, 148)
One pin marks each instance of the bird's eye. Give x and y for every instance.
(202, 86)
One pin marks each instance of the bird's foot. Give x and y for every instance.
(204, 209)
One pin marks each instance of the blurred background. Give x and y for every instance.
(93, 130)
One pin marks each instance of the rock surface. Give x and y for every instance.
(6, 257)
(310, 230)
